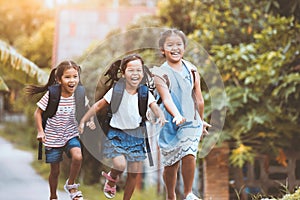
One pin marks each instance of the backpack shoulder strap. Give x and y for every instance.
(191, 68)
(80, 101)
(54, 97)
(143, 92)
(118, 91)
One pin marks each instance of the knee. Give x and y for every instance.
(189, 159)
(132, 175)
(77, 157)
(121, 166)
(76, 154)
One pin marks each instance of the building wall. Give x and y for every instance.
(215, 174)
(77, 29)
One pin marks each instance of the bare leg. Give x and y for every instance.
(119, 165)
(188, 173)
(133, 169)
(75, 164)
(53, 179)
(170, 178)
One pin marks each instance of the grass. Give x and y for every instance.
(95, 193)
(286, 195)
(23, 137)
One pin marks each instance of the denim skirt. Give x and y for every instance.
(129, 143)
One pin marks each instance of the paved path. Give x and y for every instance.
(18, 180)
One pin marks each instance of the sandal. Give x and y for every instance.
(73, 195)
(109, 192)
(191, 196)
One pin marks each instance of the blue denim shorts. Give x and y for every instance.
(55, 154)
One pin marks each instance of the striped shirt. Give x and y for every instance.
(63, 125)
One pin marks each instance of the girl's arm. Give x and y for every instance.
(199, 101)
(91, 112)
(158, 113)
(165, 95)
(198, 97)
(91, 124)
(39, 124)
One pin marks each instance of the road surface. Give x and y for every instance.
(18, 180)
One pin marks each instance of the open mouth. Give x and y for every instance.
(175, 53)
(135, 80)
(71, 86)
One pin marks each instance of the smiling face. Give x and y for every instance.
(133, 74)
(173, 48)
(69, 81)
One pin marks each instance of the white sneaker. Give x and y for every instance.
(191, 196)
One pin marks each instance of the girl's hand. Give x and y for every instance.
(161, 121)
(81, 127)
(41, 136)
(151, 117)
(178, 119)
(91, 124)
(156, 120)
(205, 125)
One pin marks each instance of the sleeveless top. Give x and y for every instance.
(175, 142)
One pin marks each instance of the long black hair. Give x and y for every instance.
(55, 75)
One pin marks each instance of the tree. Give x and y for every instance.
(31, 32)
(220, 22)
(21, 18)
(14, 66)
(38, 47)
(262, 85)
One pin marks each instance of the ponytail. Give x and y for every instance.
(113, 72)
(34, 89)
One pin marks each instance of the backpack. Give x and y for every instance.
(54, 98)
(118, 85)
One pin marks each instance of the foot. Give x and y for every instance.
(109, 190)
(73, 191)
(191, 196)
(53, 197)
